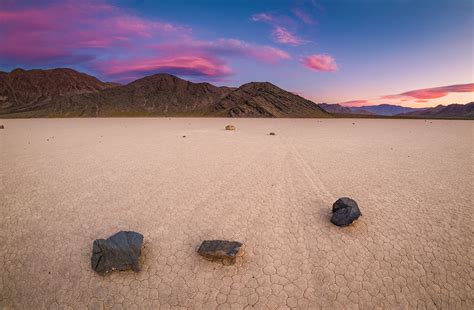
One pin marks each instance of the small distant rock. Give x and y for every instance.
(353, 123)
(184, 136)
(271, 133)
(345, 211)
(230, 127)
(2, 127)
(119, 252)
(226, 251)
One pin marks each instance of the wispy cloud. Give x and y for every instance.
(320, 63)
(265, 17)
(110, 41)
(225, 48)
(282, 35)
(412, 97)
(67, 31)
(304, 17)
(280, 31)
(191, 65)
(432, 93)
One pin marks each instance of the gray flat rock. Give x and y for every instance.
(227, 251)
(119, 252)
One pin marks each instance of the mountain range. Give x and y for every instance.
(340, 109)
(381, 109)
(65, 92)
(68, 93)
(442, 111)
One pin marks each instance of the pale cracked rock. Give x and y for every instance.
(119, 252)
(345, 211)
(230, 127)
(226, 251)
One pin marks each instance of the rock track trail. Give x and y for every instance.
(412, 247)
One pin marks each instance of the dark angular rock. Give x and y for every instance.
(345, 211)
(227, 251)
(119, 252)
(2, 127)
(271, 133)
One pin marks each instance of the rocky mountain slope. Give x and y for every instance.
(67, 93)
(263, 99)
(441, 111)
(34, 90)
(159, 94)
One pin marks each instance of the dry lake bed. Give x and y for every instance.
(66, 182)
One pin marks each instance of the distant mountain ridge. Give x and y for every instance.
(339, 109)
(381, 109)
(454, 110)
(386, 109)
(68, 93)
(65, 92)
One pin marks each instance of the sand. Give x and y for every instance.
(66, 182)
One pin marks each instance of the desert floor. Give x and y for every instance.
(66, 182)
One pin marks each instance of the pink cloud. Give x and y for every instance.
(282, 35)
(280, 24)
(83, 32)
(320, 63)
(190, 57)
(226, 47)
(432, 93)
(68, 30)
(180, 65)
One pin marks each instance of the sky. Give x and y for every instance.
(416, 53)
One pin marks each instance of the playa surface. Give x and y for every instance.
(66, 182)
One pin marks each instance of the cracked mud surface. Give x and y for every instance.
(412, 248)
